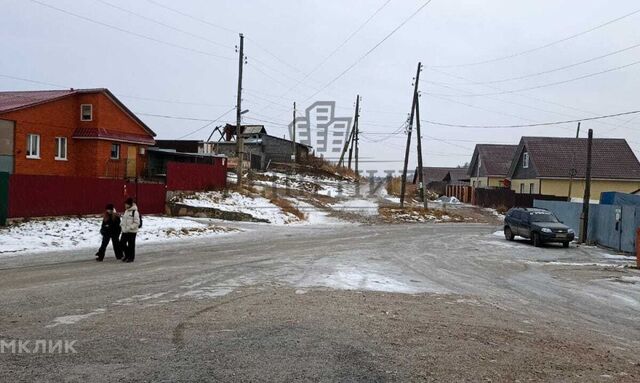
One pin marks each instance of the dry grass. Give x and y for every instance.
(274, 198)
(287, 207)
(417, 214)
(394, 187)
(323, 167)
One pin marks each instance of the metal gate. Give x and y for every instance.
(6, 146)
(4, 197)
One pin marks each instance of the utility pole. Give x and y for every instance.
(356, 138)
(410, 127)
(419, 138)
(294, 133)
(351, 148)
(239, 137)
(348, 141)
(572, 172)
(587, 192)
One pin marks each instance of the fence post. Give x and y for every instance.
(638, 247)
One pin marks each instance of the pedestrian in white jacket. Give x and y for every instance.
(130, 223)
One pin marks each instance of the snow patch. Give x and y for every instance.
(356, 279)
(357, 206)
(258, 207)
(73, 319)
(68, 233)
(206, 292)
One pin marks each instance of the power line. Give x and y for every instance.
(538, 86)
(539, 47)
(173, 101)
(543, 72)
(267, 121)
(218, 26)
(163, 24)
(281, 72)
(530, 125)
(371, 49)
(459, 77)
(174, 117)
(117, 94)
(193, 17)
(343, 43)
(209, 124)
(130, 32)
(33, 81)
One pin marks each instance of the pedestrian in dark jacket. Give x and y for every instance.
(110, 230)
(130, 224)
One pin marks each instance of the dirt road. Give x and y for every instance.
(327, 303)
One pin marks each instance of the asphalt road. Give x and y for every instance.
(326, 303)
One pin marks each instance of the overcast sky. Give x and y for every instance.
(194, 62)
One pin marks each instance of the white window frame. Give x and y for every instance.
(30, 154)
(90, 112)
(119, 151)
(525, 160)
(58, 155)
(522, 188)
(532, 188)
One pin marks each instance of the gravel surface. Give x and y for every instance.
(417, 302)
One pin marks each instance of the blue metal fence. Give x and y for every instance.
(612, 226)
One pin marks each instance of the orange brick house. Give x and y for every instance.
(76, 132)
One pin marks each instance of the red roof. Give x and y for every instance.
(10, 101)
(105, 134)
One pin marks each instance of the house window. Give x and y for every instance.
(61, 148)
(86, 112)
(33, 146)
(522, 188)
(115, 151)
(532, 188)
(525, 160)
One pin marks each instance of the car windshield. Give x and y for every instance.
(543, 217)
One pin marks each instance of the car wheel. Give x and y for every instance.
(565, 244)
(508, 234)
(535, 238)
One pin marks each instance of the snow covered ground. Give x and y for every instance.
(500, 216)
(357, 206)
(72, 233)
(325, 186)
(314, 215)
(258, 207)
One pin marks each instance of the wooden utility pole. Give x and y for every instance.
(410, 127)
(572, 171)
(349, 137)
(239, 137)
(419, 138)
(351, 149)
(294, 157)
(587, 192)
(356, 138)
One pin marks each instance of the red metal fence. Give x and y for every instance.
(192, 177)
(43, 196)
(40, 196)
